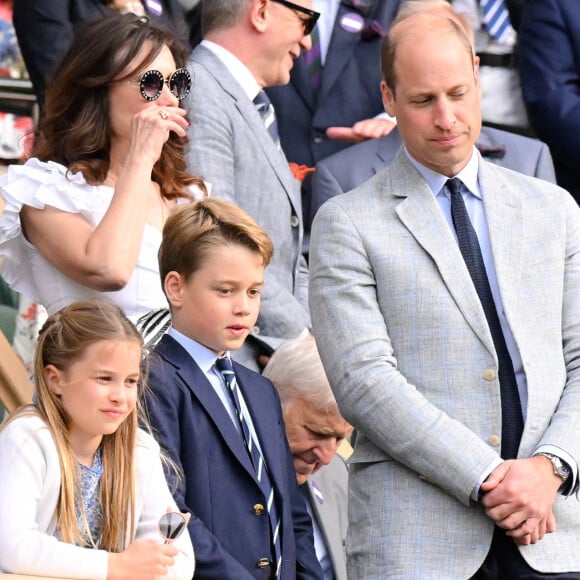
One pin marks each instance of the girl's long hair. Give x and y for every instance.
(62, 341)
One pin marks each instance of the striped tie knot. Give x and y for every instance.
(266, 110)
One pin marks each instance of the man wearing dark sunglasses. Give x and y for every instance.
(249, 45)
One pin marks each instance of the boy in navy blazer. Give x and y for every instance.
(221, 423)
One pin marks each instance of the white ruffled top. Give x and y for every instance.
(38, 183)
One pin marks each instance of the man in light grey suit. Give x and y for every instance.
(248, 45)
(415, 356)
(314, 429)
(347, 169)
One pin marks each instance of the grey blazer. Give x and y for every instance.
(232, 150)
(349, 168)
(409, 355)
(331, 510)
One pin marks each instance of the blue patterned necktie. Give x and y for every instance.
(511, 408)
(224, 365)
(266, 110)
(496, 18)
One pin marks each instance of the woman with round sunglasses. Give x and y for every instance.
(83, 216)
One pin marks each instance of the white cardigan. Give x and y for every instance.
(29, 490)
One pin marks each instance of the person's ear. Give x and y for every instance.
(259, 14)
(173, 288)
(53, 378)
(388, 99)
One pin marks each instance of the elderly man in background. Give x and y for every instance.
(315, 430)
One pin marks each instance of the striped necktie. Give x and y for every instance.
(511, 407)
(496, 19)
(224, 365)
(266, 110)
(313, 61)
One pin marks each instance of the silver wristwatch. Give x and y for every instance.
(561, 468)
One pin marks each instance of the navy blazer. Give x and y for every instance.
(549, 44)
(45, 30)
(350, 90)
(230, 534)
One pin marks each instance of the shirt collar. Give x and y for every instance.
(236, 68)
(203, 356)
(436, 181)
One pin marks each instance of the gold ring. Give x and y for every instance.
(164, 115)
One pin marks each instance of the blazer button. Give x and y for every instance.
(294, 221)
(258, 509)
(494, 440)
(263, 563)
(489, 375)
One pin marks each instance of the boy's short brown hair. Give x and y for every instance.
(195, 228)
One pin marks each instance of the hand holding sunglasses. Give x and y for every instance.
(172, 525)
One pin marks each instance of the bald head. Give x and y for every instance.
(412, 28)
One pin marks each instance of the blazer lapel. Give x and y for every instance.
(422, 216)
(504, 212)
(250, 115)
(265, 423)
(195, 380)
(343, 42)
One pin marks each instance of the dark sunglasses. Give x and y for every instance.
(308, 23)
(152, 81)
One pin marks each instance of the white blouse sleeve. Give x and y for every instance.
(29, 489)
(153, 500)
(37, 184)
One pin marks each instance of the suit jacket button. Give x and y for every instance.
(294, 221)
(489, 375)
(494, 440)
(263, 563)
(258, 509)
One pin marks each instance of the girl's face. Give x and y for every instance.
(98, 391)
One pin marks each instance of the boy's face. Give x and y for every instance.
(219, 304)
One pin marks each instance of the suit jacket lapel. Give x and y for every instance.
(342, 45)
(504, 212)
(422, 216)
(265, 423)
(196, 381)
(250, 115)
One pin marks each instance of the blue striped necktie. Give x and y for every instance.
(512, 423)
(496, 18)
(224, 365)
(266, 110)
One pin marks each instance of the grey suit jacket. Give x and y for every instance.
(231, 148)
(331, 509)
(408, 352)
(349, 168)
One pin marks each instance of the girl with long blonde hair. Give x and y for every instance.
(82, 487)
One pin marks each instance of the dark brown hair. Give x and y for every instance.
(75, 128)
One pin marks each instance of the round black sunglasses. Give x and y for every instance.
(152, 81)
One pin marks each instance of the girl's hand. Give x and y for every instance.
(143, 559)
